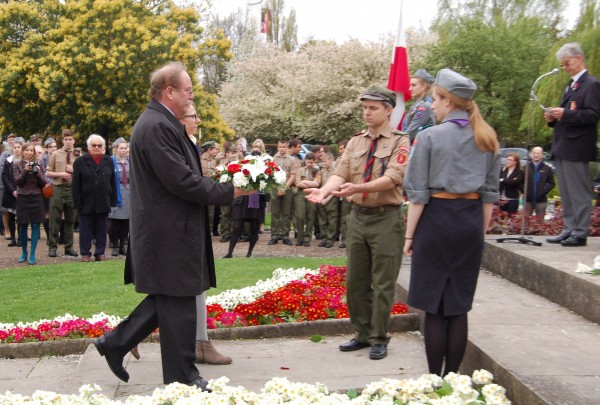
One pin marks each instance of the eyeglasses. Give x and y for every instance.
(194, 116)
(188, 90)
(96, 145)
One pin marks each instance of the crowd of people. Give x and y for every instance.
(449, 172)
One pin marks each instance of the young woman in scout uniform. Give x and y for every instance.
(452, 179)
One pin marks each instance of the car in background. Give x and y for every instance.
(305, 149)
(522, 152)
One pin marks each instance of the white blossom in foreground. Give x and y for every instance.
(111, 320)
(428, 389)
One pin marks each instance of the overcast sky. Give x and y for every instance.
(367, 20)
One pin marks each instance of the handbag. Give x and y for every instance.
(48, 190)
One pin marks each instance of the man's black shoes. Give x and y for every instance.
(558, 238)
(71, 252)
(574, 241)
(200, 383)
(115, 362)
(286, 241)
(378, 351)
(52, 253)
(273, 242)
(353, 345)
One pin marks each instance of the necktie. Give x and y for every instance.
(368, 173)
(570, 86)
(68, 157)
(124, 174)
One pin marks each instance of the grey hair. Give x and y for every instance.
(570, 50)
(95, 136)
(168, 75)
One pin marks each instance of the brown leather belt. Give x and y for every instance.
(452, 196)
(374, 210)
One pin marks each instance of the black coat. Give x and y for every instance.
(10, 186)
(93, 185)
(170, 244)
(575, 134)
(511, 184)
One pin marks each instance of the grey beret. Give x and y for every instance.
(19, 139)
(49, 141)
(456, 83)
(423, 74)
(379, 93)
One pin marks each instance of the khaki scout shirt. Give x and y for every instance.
(326, 174)
(392, 150)
(304, 173)
(286, 163)
(208, 164)
(58, 164)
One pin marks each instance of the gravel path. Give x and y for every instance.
(9, 255)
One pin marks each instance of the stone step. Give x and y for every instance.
(540, 351)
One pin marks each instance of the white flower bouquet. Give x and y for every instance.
(258, 173)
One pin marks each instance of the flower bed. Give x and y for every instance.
(292, 295)
(454, 389)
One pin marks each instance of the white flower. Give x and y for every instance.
(262, 185)
(239, 180)
(224, 178)
(482, 377)
(583, 268)
(280, 177)
(492, 389)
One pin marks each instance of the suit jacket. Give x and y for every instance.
(171, 249)
(575, 134)
(93, 185)
(511, 184)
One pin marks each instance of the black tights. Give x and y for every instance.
(238, 224)
(445, 338)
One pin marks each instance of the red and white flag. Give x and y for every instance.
(399, 79)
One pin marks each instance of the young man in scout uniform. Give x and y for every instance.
(327, 210)
(281, 201)
(372, 172)
(305, 211)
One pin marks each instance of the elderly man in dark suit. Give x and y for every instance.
(575, 124)
(170, 245)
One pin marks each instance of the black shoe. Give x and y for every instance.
(244, 238)
(225, 239)
(328, 245)
(286, 241)
(248, 255)
(306, 244)
(574, 241)
(200, 383)
(18, 243)
(228, 256)
(342, 245)
(558, 239)
(115, 362)
(378, 352)
(71, 252)
(353, 345)
(273, 242)
(52, 253)
(299, 243)
(12, 243)
(115, 252)
(322, 244)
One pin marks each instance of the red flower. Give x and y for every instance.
(234, 168)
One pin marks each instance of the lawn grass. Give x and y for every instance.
(44, 292)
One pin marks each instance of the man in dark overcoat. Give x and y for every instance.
(171, 252)
(575, 124)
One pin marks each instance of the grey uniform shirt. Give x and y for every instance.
(445, 158)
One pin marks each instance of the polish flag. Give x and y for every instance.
(399, 79)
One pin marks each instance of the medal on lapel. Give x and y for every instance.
(573, 105)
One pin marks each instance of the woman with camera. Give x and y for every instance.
(30, 180)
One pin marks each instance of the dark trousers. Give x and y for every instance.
(92, 227)
(119, 231)
(61, 202)
(176, 318)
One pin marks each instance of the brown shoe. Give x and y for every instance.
(135, 353)
(206, 353)
(99, 258)
(85, 259)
